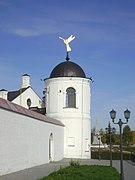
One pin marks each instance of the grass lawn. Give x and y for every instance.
(84, 172)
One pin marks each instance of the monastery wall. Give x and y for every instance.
(26, 142)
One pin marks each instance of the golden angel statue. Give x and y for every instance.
(67, 41)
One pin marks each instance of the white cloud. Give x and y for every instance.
(31, 27)
(26, 32)
(55, 19)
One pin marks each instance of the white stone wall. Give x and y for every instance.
(3, 94)
(77, 134)
(25, 81)
(24, 142)
(28, 94)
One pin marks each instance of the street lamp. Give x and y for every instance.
(120, 123)
(110, 131)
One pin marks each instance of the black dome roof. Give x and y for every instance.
(67, 69)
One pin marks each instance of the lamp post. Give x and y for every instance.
(110, 131)
(120, 123)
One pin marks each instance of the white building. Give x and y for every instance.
(68, 100)
(28, 138)
(25, 96)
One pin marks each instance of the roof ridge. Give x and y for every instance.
(13, 94)
(5, 104)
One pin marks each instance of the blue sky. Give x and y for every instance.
(104, 47)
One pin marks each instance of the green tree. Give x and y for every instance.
(110, 130)
(127, 135)
(103, 138)
(116, 139)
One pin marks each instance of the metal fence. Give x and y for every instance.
(133, 157)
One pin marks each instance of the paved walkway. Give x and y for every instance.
(44, 170)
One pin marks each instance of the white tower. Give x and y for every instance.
(68, 100)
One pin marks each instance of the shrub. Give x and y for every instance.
(74, 163)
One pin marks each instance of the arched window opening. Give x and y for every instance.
(51, 147)
(29, 102)
(70, 98)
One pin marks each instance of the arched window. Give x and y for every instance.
(70, 98)
(29, 102)
(51, 147)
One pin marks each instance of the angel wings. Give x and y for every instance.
(67, 41)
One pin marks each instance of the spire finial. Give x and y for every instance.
(67, 57)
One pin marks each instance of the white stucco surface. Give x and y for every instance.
(24, 142)
(28, 94)
(77, 132)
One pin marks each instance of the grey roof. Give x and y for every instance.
(13, 94)
(3, 90)
(4, 104)
(67, 69)
(25, 75)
